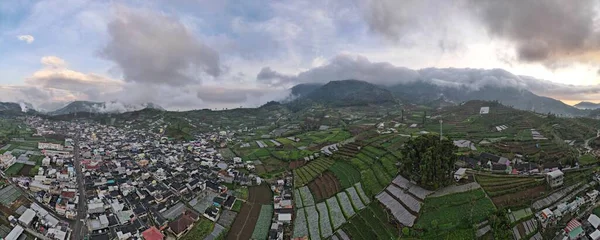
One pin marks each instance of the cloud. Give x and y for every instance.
(545, 31)
(56, 75)
(26, 38)
(345, 67)
(239, 95)
(53, 62)
(149, 47)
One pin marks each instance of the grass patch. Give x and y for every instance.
(587, 159)
(14, 169)
(202, 229)
(237, 206)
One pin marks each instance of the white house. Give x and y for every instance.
(7, 160)
(555, 178)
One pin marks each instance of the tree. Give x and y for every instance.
(429, 161)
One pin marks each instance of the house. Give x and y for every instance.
(27, 217)
(460, 174)
(276, 231)
(7, 160)
(15, 233)
(46, 162)
(595, 235)
(574, 230)
(555, 178)
(153, 234)
(212, 213)
(594, 220)
(181, 225)
(229, 202)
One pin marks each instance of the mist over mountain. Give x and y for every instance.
(102, 107)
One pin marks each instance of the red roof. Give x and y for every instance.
(572, 225)
(67, 194)
(153, 234)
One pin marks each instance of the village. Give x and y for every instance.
(82, 179)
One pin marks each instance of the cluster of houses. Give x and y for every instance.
(503, 165)
(577, 228)
(136, 182)
(283, 207)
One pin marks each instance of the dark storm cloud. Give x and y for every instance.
(555, 33)
(543, 30)
(149, 47)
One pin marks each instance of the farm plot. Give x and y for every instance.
(507, 191)
(361, 193)
(324, 223)
(335, 212)
(524, 229)
(345, 173)
(261, 230)
(324, 186)
(356, 202)
(312, 218)
(298, 199)
(310, 171)
(307, 197)
(451, 210)
(300, 228)
(347, 208)
(244, 224)
(369, 223)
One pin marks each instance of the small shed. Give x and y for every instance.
(460, 174)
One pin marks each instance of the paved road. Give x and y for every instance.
(79, 230)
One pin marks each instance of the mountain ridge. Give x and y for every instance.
(102, 107)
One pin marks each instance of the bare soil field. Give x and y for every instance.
(325, 186)
(519, 198)
(297, 164)
(244, 223)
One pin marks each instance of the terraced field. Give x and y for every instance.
(324, 186)
(506, 191)
(370, 223)
(323, 219)
(450, 211)
(377, 168)
(345, 173)
(310, 171)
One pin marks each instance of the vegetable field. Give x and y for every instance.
(263, 223)
(452, 210)
(310, 171)
(345, 173)
(507, 191)
(376, 166)
(370, 223)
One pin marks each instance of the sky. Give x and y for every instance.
(192, 54)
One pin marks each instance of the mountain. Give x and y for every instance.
(11, 106)
(304, 89)
(423, 93)
(342, 93)
(587, 105)
(102, 107)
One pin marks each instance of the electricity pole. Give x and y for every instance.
(441, 129)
